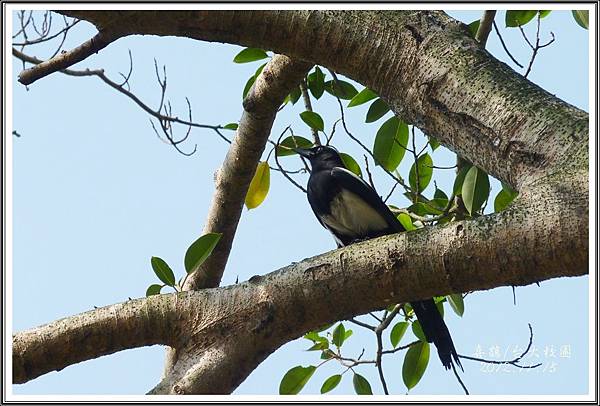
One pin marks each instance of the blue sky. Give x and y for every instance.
(96, 194)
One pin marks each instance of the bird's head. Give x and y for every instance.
(321, 156)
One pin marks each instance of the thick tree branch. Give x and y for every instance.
(425, 66)
(229, 331)
(102, 331)
(232, 180)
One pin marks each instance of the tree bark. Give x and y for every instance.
(435, 76)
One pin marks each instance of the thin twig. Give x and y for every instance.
(308, 107)
(46, 38)
(537, 46)
(459, 380)
(364, 325)
(504, 45)
(99, 73)
(369, 173)
(514, 362)
(288, 177)
(416, 158)
(400, 181)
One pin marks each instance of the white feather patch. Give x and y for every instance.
(352, 216)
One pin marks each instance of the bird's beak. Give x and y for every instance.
(306, 153)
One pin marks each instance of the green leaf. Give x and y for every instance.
(503, 200)
(398, 332)
(231, 126)
(248, 86)
(314, 337)
(406, 221)
(339, 335)
(163, 271)
(294, 380)
(425, 166)
(456, 303)
(319, 346)
(418, 331)
(313, 120)
(515, 18)
(390, 143)
(582, 18)
(475, 189)
(361, 98)
(440, 194)
(415, 364)
(460, 178)
(200, 249)
(418, 208)
(377, 110)
(361, 385)
(473, 27)
(295, 95)
(153, 290)
(341, 88)
(259, 186)
(348, 334)
(544, 13)
(351, 164)
(433, 143)
(250, 55)
(293, 141)
(330, 383)
(316, 83)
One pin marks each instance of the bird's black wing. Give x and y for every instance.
(347, 180)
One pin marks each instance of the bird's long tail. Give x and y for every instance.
(435, 331)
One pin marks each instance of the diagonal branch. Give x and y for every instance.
(69, 58)
(275, 82)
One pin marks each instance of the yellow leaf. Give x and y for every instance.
(259, 187)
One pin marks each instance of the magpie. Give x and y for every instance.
(352, 211)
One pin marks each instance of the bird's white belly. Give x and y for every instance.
(352, 216)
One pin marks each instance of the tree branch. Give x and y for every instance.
(485, 26)
(66, 59)
(437, 91)
(275, 82)
(102, 331)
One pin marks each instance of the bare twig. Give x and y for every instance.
(400, 181)
(284, 172)
(504, 46)
(360, 323)
(462, 384)
(515, 361)
(369, 172)
(308, 107)
(416, 193)
(390, 193)
(45, 38)
(99, 73)
(535, 48)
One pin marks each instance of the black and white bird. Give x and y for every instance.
(352, 211)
